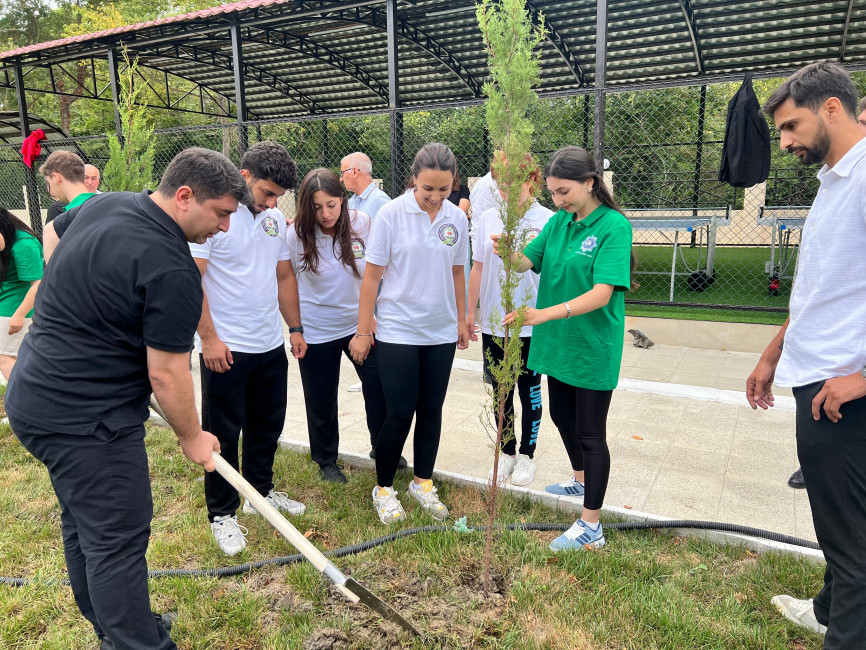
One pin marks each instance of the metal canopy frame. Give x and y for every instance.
(301, 59)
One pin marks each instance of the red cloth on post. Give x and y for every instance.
(31, 148)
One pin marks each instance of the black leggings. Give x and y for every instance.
(529, 388)
(580, 414)
(414, 379)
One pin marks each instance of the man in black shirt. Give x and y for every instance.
(116, 314)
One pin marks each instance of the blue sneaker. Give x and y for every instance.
(570, 488)
(579, 536)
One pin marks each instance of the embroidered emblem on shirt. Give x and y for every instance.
(448, 234)
(589, 244)
(532, 233)
(270, 226)
(358, 248)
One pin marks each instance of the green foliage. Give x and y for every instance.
(130, 163)
(511, 42)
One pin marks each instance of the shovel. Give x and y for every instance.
(354, 591)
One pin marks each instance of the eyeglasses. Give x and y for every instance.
(345, 171)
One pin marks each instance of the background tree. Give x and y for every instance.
(130, 162)
(511, 41)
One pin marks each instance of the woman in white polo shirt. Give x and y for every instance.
(484, 283)
(418, 247)
(327, 244)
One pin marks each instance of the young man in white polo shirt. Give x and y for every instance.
(821, 349)
(248, 283)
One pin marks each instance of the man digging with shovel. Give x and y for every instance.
(114, 321)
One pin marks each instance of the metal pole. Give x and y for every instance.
(699, 155)
(394, 96)
(600, 82)
(240, 94)
(31, 193)
(114, 82)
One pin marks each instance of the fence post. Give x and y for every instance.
(115, 91)
(600, 82)
(240, 93)
(32, 194)
(396, 118)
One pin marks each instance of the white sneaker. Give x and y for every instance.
(506, 466)
(229, 534)
(425, 494)
(524, 470)
(280, 501)
(355, 388)
(388, 507)
(800, 612)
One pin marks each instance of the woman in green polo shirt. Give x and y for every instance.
(583, 257)
(20, 272)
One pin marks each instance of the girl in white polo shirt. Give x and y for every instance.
(484, 283)
(327, 244)
(418, 247)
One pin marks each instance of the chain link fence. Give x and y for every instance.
(698, 242)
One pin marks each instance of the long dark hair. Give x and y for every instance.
(576, 164)
(305, 221)
(9, 227)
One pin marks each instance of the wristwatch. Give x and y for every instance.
(296, 330)
(863, 372)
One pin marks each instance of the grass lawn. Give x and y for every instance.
(739, 272)
(644, 590)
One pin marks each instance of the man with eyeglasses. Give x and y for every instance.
(356, 172)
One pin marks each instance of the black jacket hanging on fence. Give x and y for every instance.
(746, 150)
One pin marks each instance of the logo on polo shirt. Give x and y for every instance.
(270, 226)
(532, 233)
(358, 248)
(589, 244)
(448, 234)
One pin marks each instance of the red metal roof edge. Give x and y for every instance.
(201, 13)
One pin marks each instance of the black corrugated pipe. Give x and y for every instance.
(408, 532)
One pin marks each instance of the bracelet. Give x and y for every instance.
(357, 334)
(567, 310)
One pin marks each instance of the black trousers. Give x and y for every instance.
(415, 380)
(320, 377)
(103, 486)
(833, 457)
(580, 414)
(250, 396)
(529, 389)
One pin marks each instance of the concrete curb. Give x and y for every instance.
(575, 505)
(702, 393)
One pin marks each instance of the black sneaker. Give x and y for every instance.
(400, 463)
(330, 472)
(796, 481)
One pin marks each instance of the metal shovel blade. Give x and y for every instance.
(378, 605)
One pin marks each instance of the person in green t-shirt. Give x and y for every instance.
(583, 258)
(64, 178)
(20, 272)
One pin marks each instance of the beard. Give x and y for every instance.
(818, 150)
